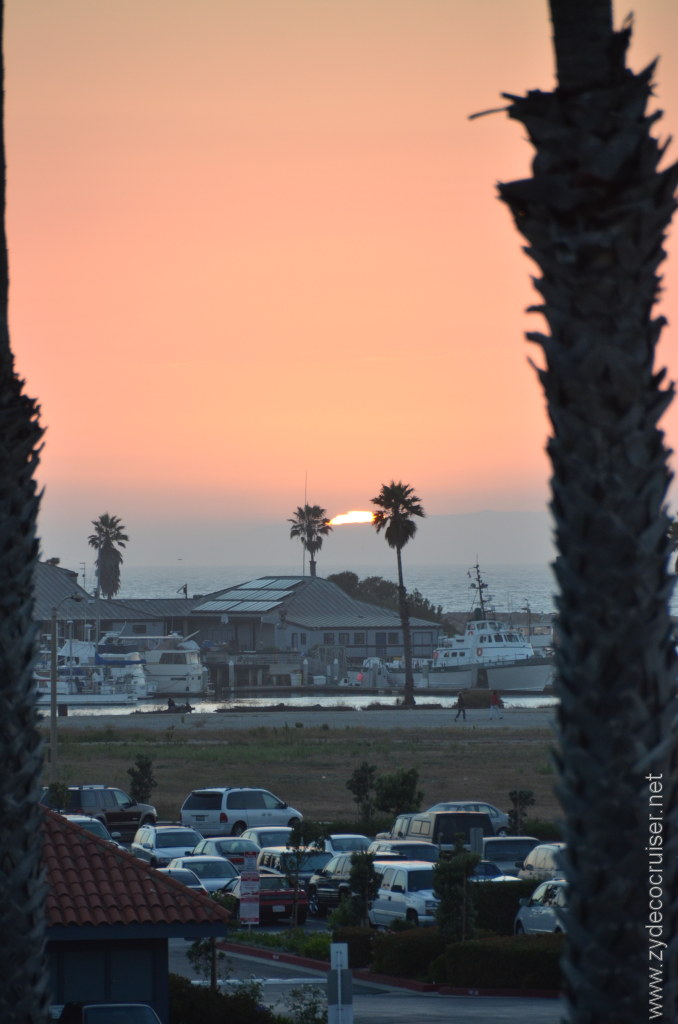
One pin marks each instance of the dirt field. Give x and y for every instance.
(308, 765)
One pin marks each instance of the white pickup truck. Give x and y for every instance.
(405, 894)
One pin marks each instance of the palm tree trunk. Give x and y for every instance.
(23, 975)
(594, 215)
(408, 692)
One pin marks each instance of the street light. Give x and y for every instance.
(53, 687)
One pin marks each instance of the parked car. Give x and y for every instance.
(499, 819)
(277, 897)
(508, 852)
(186, 877)
(265, 836)
(542, 911)
(213, 872)
(229, 810)
(159, 844)
(542, 862)
(108, 1013)
(404, 849)
(346, 842)
(96, 827)
(113, 807)
(295, 864)
(405, 893)
(233, 849)
(487, 871)
(329, 885)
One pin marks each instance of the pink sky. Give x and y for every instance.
(257, 242)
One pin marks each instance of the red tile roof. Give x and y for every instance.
(90, 882)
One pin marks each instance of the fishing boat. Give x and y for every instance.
(490, 652)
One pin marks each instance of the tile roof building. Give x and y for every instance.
(110, 917)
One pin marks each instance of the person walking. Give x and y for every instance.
(495, 705)
(461, 707)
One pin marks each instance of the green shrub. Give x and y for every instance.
(407, 954)
(317, 946)
(496, 904)
(515, 962)
(359, 941)
(547, 831)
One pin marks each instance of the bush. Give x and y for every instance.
(547, 831)
(518, 962)
(408, 953)
(496, 904)
(359, 941)
(193, 1004)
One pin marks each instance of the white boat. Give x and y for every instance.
(172, 663)
(484, 642)
(491, 653)
(86, 676)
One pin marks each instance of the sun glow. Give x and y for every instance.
(352, 517)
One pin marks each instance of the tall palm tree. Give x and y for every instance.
(107, 538)
(310, 524)
(397, 506)
(595, 214)
(23, 969)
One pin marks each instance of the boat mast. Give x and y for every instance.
(478, 584)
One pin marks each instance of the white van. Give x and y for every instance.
(229, 810)
(543, 862)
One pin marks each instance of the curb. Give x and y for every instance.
(369, 977)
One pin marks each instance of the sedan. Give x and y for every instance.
(213, 872)
(184, 876)
(273, 835)
(233, 849)
(277, 898)
(159, 844)
(542, 911)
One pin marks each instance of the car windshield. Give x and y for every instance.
(185, 840)
(95, 827)
(213, 869)
(271, 882)
(511, 850)
(417, 880)
(306, 861)
(340, 845)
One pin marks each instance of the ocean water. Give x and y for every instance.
(510, 588)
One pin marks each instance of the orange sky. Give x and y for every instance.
(254, 242)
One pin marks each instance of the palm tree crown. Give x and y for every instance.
(108, 536)
(310, 524)
(397, 505)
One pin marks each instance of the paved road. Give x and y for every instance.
(335, 718)
(376, 1003)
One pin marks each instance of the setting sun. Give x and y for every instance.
(352, 517)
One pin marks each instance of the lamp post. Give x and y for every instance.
(53, 687)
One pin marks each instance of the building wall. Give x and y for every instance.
(121, 971)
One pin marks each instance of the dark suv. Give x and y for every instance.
(113, 807)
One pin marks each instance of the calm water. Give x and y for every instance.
(316, 700)
(509, 587)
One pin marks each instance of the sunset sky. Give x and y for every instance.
(256, 252)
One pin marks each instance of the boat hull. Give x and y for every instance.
(534, 676)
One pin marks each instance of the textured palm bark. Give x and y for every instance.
(23, 974)
(594, 214)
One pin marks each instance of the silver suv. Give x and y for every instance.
(229, 810)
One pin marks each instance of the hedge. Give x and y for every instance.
(408, 953)
(518, 962)
(497, 903)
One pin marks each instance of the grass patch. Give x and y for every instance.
(309, 767)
